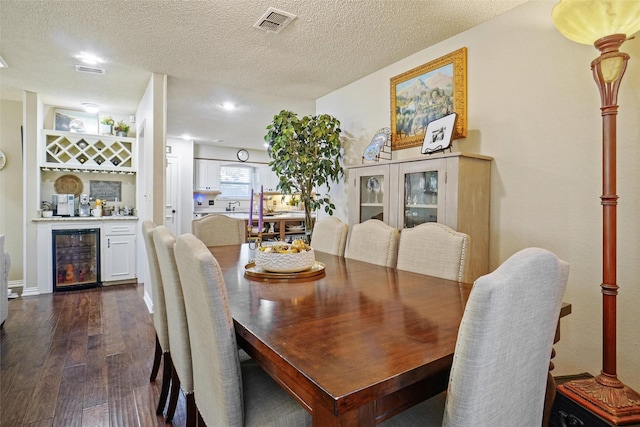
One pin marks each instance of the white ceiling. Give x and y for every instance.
(211, 54)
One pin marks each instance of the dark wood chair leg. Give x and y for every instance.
(201, 422)
(166, 381)
(156, 361)
(192, 411)
(173, 397)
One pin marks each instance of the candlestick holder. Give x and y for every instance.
(254, 241)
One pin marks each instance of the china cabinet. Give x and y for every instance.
(85, 152)
(451, 188)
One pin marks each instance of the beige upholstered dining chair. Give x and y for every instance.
(330, 236)
(227, 392)
(374, 242)
(434, 249)
(179, 343)
(219, 230)
(159, 317)
(501, 359)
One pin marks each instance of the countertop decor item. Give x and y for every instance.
(69, 184)
(285, 262)
(306, 153)
(606, 25)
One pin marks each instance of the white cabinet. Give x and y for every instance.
(452, 189)
(119, 251)
(266, 177)
(207, 175)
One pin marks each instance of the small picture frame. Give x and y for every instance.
(439, 134)
(75, 121)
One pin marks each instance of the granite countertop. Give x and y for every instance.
(85, 218)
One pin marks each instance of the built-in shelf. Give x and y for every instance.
(88, 153)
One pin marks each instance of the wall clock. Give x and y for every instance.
(3, 160)
(243, 155)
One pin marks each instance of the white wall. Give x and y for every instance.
(151, 134)
(10, 193)
(533, 107)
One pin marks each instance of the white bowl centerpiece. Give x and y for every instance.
(285, 258)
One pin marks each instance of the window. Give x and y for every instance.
(236, 181)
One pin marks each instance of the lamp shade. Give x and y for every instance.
(585, 21)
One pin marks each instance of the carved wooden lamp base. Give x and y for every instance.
(617, 403)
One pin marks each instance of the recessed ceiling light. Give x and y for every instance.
(186, 137)
(89, 58)
(229, 106)
(3, 64)
(90, 107)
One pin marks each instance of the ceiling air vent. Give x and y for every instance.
(90, 70)
(274, 20)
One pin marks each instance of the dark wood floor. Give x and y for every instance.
(80, 358)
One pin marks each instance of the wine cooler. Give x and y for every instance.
(76, 259)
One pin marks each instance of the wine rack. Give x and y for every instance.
(77, 151)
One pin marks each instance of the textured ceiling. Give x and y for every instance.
(211, 53)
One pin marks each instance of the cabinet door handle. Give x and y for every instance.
(108, 243)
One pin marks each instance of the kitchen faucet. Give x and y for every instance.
(228, 208)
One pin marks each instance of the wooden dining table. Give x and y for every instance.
(355, 344)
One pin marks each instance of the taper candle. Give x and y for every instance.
(251, 210)
(261, 212)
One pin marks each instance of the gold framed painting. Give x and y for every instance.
(427, 93)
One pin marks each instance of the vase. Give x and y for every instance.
(105, 129)
(121, 133)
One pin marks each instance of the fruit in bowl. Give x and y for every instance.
(285, 258)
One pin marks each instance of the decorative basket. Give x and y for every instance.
(285, 263)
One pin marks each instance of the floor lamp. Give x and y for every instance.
(606, 24)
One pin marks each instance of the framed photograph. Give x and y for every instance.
(425, 94)
(75, 121)
(439, 134)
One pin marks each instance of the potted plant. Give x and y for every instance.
(121, 128)
(106, 125)
(305, 153)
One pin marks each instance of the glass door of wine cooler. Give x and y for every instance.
(422, 201)
(76, 259)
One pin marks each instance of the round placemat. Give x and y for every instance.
(69, 184)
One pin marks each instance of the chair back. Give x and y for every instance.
(216, 368)
(501, 359)
(374, 242)
(330, 236)
(157, 289)
(179, 341)
(435, 250)
(219, 230)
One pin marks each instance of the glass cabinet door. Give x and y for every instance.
(371, 197)
(371, 186)
(421, 198)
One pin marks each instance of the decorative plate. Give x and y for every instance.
(69, 184)
(381, 137)
(379, 140)
(371, 152)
